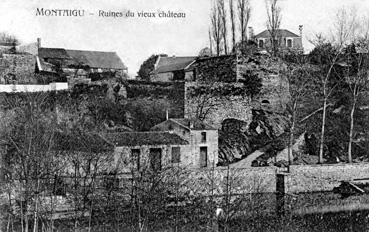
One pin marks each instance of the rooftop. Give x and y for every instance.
(190, 124)
(170, 64)
(132, 139)
(195, 123)
(93, 59)
(280, 33)
(84, 142)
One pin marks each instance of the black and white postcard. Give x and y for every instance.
(184, 115)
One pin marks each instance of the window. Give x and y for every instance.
(155, 159)
(289, 43)
(203, 137)
(203, 157)
(179, 75)
(110, 181)
(176, 154)
(135, 158)
(261, 43)
(59, 187)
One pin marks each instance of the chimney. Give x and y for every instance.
(301, 27)
(167, 115)
(38, 42)
(251, 33)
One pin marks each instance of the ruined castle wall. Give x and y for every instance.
(273, 97)
(17, 68)
(217, 108)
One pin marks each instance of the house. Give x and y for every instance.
(172, 68)
(78, 63)
(202, 150)
(286, 40)
(138, 151)
(17, 71)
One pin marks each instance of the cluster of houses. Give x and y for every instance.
(184, 68)
(185, 142)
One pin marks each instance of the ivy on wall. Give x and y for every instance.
(219, 68)
(249, 86)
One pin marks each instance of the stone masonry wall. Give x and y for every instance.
(220, 108)
(316, 178)
(241, 181)
(17, 68)
(239, 107)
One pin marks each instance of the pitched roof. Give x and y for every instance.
(57, 53)
(196, 124)
(85, 142)
(280, 33)
(170, 64)
(93, 59)
(145, 138)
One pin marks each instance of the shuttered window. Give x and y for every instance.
(176, 154)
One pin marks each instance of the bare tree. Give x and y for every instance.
(357, 78)
(8, 38)
(298, 77)
(273, 22)
(216, 28)
(223, 15)
(233, 23)
(210, 43)
(342, 33)
(244, 14)
(29, 155)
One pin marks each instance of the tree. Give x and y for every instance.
(87, 159)
(205, 52)
(233, 23)
(29, 157)
(8, 38)
(326, 56)
(223, 16)
(216, 27)
(147, 67)
(357, 79)
(299, 84)
(244, 14)
(273, 22)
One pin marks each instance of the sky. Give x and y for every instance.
(135, 39)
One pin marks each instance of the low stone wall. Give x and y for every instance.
(317, 178)
(240, 180)
(33, 88)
